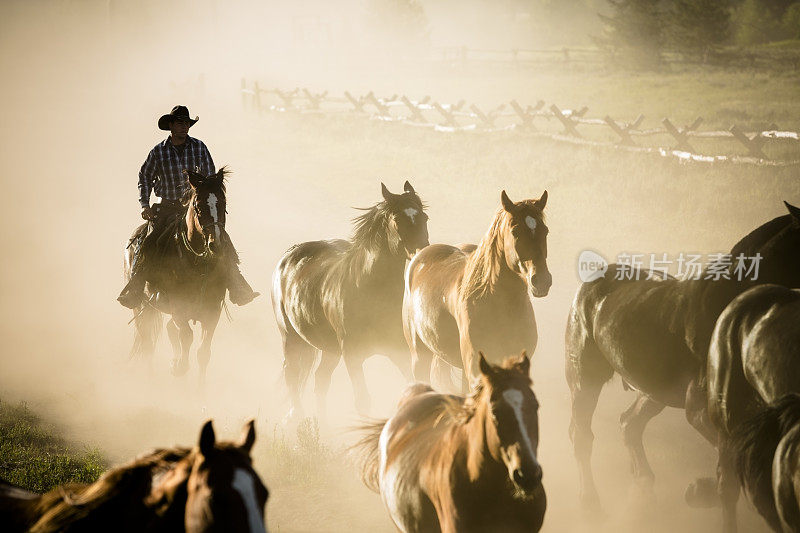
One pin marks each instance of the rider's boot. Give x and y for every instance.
(239, 291)
(133, 293)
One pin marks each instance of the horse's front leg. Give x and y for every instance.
(322, 380)
(181, 336)
(727, 487)
(633, 422)
(354, 361)
(207, 328)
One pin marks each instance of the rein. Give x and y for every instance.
(203, 255)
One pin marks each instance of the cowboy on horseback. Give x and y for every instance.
(165, 173)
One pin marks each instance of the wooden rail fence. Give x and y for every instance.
(531, 119)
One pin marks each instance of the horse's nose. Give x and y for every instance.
(529, 478)
(540, 283)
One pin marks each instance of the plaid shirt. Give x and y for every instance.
(162, 171)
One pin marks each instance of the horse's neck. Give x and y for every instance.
(479, 460)
(193, 233)
(379, 262)
(492, 266)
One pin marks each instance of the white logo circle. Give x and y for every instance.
(591, 266)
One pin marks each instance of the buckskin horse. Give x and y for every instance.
(188, 280)
(447, 463)
(211, 487)
(344, 298)
(656, 335)
(459, 300)
(753, 403)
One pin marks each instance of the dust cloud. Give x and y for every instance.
(84, 83)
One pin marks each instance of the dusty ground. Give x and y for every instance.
(78, 125)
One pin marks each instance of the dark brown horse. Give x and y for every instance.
(459, 300)
(655, 334)
(453, 464)
(211, 487)
(766, 451)
(753, 361)
(190, 281)
(344, 298)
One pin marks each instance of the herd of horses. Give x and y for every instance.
(465, 459)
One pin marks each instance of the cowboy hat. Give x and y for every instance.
(179, 112)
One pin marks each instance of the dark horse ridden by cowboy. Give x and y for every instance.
(165, 172)
(182, 261)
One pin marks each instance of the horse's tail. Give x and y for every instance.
(368, 453)
(754, 444)
(147, 328)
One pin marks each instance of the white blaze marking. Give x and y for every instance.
(412, 213)
(530, 222)
(514, 398)
(212, 205)
(245, 485)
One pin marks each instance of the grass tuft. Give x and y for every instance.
(35, 458)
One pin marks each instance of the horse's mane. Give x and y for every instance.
(370, 229)
(483, 265)
(754, 444)
(371, 236)
(756, 239)
(126, 485)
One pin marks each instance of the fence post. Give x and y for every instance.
(416, 114)
(680, 136)
(382, 109)
(753, 144)
(623, 134)
(527, 120)
(257, 96)
(314, 99)
(488, 121)
(448, 116)
(357, 104)
(244, 94)
(568, 123)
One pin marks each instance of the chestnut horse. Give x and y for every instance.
(211, 487)
(189, 278)
(753, 361)
(656, 335)
(344, 298)
(459, 300)
(447, 463)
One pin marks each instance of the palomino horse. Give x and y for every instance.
(459, 300)
(655, 334)
(754, 360)
(189, 280)
(447, 463)
(211, 487)
(344, 298)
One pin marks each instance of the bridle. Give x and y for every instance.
(204, 229)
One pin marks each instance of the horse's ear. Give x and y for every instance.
(248, 436)
(195, 178)
(524, 363)
(541, 202)
(408, 188)
(483, 364)
(388, 196)
(794, 211)
(508, 205)
(207, 439)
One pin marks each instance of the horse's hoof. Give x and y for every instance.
(180, 368)
(591, 510)
(702, 493)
